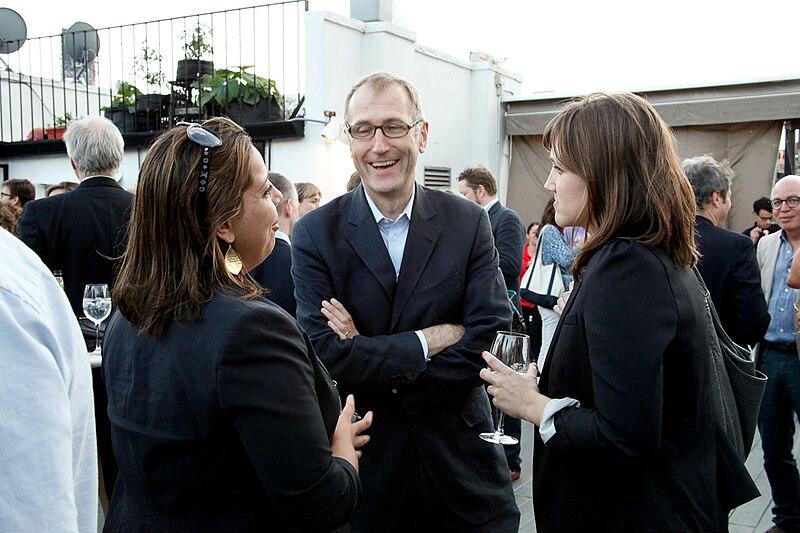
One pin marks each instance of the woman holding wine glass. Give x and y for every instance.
(625, 434)
(223, 418)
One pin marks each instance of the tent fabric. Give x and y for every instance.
(703, 106)
(750, 147)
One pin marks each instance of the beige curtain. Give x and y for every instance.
(751, 148)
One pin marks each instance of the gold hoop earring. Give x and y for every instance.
(233, 262)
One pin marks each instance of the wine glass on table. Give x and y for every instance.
(513, 350)
(96, 307)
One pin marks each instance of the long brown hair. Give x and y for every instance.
(636, 186)
(174, 259)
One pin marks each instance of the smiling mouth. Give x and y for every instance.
(380, 165)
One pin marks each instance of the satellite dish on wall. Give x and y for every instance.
(13, 31)
(81, 42)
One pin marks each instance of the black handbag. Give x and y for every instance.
(737, 389)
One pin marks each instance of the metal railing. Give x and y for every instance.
(148, 75)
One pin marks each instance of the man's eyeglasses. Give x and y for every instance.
(391, 130)
(792, 202)
(6, 194)
(207, 140)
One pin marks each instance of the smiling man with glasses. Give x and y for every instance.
(399, 290)
(778, 356)
(17, 192)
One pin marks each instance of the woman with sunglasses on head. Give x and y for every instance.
(222, 417)
(626, 437)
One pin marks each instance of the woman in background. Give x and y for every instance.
(532, 317)
(626, 435)
(222, 417)
(553, 248)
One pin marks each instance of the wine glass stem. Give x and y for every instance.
(97, 337)
(500, 419)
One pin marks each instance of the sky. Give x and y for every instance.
(569, 47)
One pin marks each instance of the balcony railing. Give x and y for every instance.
(147, 76)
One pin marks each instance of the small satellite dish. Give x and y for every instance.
(81, 42)
(13, 31)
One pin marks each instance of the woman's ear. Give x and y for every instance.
(225, 232)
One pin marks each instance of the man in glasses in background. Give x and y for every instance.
(79, 233)
(17, 193)
(399, 290)
(778, 357)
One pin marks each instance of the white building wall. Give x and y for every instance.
(460, 99)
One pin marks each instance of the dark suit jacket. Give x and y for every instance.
(729, 268)
(509, 239)
(79, 232)
(430, 413)
(275, 274)
(639, 453)
(224, 424)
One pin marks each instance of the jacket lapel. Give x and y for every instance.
(421, 240)
(365, 238)
(553, 343)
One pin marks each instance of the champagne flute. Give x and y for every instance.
(513, 349)
(96, 307)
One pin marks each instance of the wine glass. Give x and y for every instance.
(513, 349)
(96, 307)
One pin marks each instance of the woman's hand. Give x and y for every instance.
(347, 437)
(339, 320)
(515, 394)
(562, 300)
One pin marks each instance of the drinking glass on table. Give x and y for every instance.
(96, 307)
(513, 349)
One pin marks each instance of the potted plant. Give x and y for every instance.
(122, 111)
(147, 66)
(243, 96)
(196, 46)
(51, 132)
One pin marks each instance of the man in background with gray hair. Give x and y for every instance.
(78, 233)
(727, 259)
(275, 273)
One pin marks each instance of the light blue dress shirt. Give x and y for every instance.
(781, 300)
(395, 233)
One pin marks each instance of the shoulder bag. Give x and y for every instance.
(737, 387)
(542, 284)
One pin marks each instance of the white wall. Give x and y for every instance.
(461, 100)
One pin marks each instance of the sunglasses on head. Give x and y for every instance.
(207, 140)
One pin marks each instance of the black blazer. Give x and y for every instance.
(729, 268)
(430, 413)
(224, 424)
(275, 274)
(509, 239)
(79, 233)
(639, 454)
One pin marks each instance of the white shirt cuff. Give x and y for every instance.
(547, 429)
(424, 344)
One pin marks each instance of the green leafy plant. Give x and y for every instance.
(196, 43)
(228, 85)
(63, 120)
(147, 66)
(125, 97)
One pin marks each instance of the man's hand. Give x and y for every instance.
(339, 320)
(756, 233)
(442, 336)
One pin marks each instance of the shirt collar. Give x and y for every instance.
(377, 212)
(282, 236)
(490, 204)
